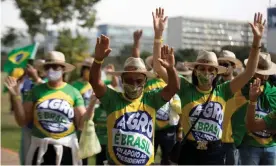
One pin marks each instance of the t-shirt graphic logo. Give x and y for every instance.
(163, 113)
(55, 115)
(261, 113)
(209, 126)
(132, 138)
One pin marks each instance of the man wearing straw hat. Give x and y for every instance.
(257, 145)
(131, 114)
(167, 116)
(228, 59)
(55, 109)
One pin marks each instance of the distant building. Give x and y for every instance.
(271, 31)
(199, 33)
(121, 35)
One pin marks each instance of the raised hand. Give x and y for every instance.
(167, 57)
(137, 35)
(12, 85)
(255, 90)
(258, 25)
(102, 48)
(159, 21)
(31, 71)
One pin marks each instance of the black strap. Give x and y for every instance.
(201, 113)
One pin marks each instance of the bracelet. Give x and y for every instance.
(158, 40)
(98, 62)
(180, 129)
(17, 97)
(252, 102)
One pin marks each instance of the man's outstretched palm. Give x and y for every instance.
(102, 48)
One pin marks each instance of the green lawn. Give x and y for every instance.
(10, 136)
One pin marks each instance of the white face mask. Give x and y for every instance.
(54, 75)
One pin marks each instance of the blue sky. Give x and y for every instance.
(138, 12)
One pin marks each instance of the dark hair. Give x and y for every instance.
(82, 70)
(195, 81)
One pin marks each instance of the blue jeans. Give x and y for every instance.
(250, 155)
(231, 154)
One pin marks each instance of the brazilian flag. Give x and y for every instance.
(18, 58)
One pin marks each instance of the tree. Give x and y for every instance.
(185, 55)
(145, 54)
(11, 36)
(124, 53)
(75, 48)
(37, 14)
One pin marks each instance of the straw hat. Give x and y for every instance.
(265, 65)
(182, 69)
(149, 61)
(88, 62)
(226, 55)
(208, 59)
(58, 58)
(136, 63)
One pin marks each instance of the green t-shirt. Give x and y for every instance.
(54, 110)
(265, 105)
(209, 126)
(85, 89)
(270, 120)
(100, 116)
(163, 114)
(130, 126)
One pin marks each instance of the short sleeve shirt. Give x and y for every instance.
(209, 126)
(130, 126)
(163, 114)
(270, 120)
(54, 110)
(85, 90)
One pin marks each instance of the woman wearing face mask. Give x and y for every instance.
(131, 115)
(203, 144)
(54, 108)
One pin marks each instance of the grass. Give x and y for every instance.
(11, 132)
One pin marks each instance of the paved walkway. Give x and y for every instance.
(9, 157)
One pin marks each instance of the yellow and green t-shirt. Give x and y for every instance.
(270, 120)
(231, 106)
(130, 126)
(100, 117)
(85, 89)
(265, 105)
(54, 110)
(163, 114)
(209, 126)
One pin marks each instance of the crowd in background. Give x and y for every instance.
(213, 111)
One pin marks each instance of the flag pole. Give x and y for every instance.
(34, 51)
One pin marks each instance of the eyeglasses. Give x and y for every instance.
(226, 64)
(53, 66)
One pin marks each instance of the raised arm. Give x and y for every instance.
(136, 43)
(253, 124)
(159, 23)
(257, 28)
(102, 50)
(22, 112)
(167, 61)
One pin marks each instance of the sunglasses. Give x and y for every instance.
(53, 66)
(224, 64)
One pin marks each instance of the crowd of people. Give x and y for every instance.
(213, 111)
